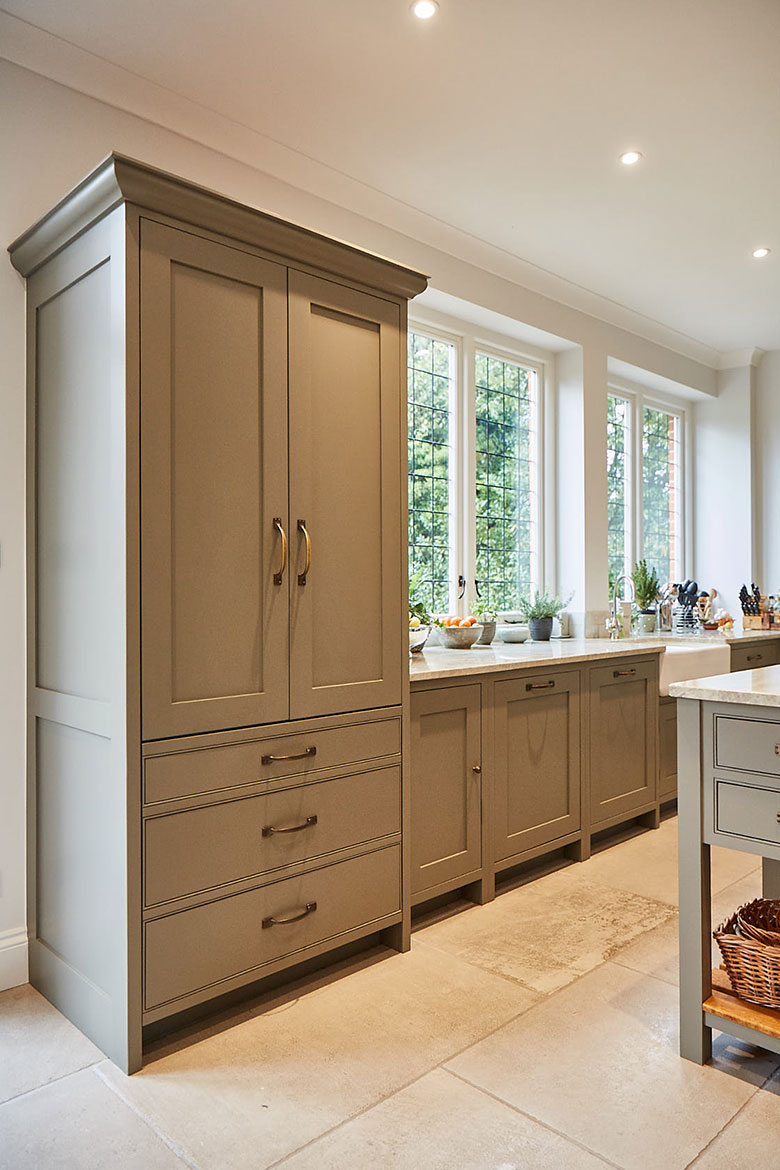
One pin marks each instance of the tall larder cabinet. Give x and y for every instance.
(217, 642)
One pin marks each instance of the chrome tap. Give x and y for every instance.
(613, 625)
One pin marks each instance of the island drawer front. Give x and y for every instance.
(747, 745)
(198, 949)
(202, 848)
(755, 656)
(210, 769)
(742, 811)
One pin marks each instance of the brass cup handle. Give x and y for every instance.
(269, 830)
(271, 921)
(280, 529)
(302, 528)
(623, 673)
(304, 755)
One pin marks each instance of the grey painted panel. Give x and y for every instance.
(73, 575)
(210, 769)
(743, 811)
(747, 745)
(212, 943)
(78, 837)
(197, 850)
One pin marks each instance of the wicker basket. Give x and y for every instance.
(760, 920)
(752, 965)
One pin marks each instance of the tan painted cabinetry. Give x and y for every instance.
(621, 757)
(217, 561)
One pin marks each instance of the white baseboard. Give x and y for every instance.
(13, 958)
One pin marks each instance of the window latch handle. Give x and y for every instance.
(461, 585)
(476, 587)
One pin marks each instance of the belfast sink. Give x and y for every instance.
(680, 663)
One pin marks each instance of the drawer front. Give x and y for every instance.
(200, 948)
(188, 852)
(755, 656)
(747, 745)
(210, 769)
(743, 811)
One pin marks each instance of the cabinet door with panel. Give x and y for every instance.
(622, 731)
(536, 761)
(667, 749)
(446, 785)
(213, 485)
(345, 491)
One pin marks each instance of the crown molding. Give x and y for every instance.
(735, 358)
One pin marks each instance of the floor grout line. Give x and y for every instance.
(731, 1120)
(163, 1137)
(47, 1084)
(536, 1120)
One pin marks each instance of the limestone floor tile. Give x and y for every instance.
(548, 932)
(599, 1063)
(37, 1043)
(657, 952)
(752, 1140)
(647, 864)
(77, 1123)
(440, 1123)
(256, 1092)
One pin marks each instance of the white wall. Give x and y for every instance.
(50, 137)
(767, 431)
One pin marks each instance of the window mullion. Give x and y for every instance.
(638, 535)
(466, 495)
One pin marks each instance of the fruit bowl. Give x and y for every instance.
(459, 637)
(418, 636)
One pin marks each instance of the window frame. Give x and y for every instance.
(639, 398)
(468, 341)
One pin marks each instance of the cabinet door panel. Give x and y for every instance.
(667, 749)
(345, 469)
(214, 476)
(622, 739)
(446, 791)
(537, 761)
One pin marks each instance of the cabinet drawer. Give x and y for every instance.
(755, 656)
(743, 811)
(188, 852)
(747, 745)
(210, 769)
(208, 945)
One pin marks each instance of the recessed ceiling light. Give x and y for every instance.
(425, 9)
(629, 157)
(760, 253)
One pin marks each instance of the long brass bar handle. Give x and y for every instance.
(302, 528)
(309, 751)
(269, 830)
(754, 657)
(280, 529)
(271, 921)
(540, 686)
(623, 673)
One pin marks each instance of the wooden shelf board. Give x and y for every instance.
(728, 1006)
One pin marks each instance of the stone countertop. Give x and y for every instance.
(743, 637)
(502, 656)
(758, 688)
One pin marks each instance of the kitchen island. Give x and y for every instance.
(729, 795)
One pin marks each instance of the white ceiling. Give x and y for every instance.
(504, 119)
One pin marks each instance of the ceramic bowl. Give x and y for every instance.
(459, 637)
(418, 636)
(513, 632)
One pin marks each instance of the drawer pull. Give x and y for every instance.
(540, 686)
(623, 673)
(271, 921)
(310, 751)
(777, 749)
(269, 830)
(754, 657)
(778, 818)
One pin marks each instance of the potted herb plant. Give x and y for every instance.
(486, 615)
(539, 613)
(646, 587)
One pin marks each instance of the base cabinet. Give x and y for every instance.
(621, 740)
(667, 749)
(536, 769)
(446, 787)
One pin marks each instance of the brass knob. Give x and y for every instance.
(477, 768)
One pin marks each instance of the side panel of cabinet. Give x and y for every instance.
(622, 739)
(446, 791)
(345, 487)
(667, 749)
(213, 478)
(537, 761)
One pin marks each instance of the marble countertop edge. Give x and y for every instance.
(757, 688)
